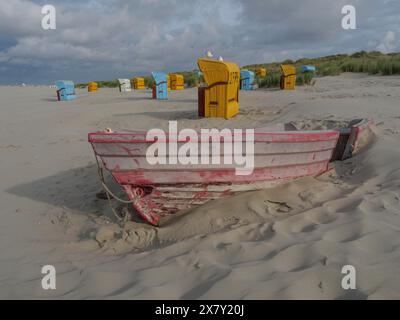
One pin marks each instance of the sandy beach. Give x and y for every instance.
(288, 242)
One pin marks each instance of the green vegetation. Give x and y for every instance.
(270, 81)
(305, 78)
(149, 82)
(373, 62)
(191, 79)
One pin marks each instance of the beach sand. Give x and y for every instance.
(289, 242)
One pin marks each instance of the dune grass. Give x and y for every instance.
(270, 81)
(374, 63)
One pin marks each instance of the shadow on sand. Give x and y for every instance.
(50, 99)
(73, 189)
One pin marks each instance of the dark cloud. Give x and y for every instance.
(105, 39)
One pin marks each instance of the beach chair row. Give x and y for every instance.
(218, 96)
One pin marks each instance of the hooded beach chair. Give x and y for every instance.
(125, 85)
(160, 88)
(138, 83)
(308, 69)
(65, 90)
(247, 80)
(221, 96)
(261, 72)
(177, 81)
(93, 87)
(288, 77)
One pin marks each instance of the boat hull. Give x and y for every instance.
(160, 191)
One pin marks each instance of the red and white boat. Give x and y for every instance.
(157, 192)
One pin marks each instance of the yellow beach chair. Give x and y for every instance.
(138, 83)
(93, 87)
(177, 81)
(288, 77)
(261, 72)
(221, 96)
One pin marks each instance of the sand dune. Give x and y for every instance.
(288, 242)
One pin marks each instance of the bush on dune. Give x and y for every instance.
(149, 82)
(272, 80)
(385, 66)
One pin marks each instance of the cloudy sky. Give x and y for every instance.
(106, 39)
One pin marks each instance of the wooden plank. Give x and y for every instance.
(154, 177)
(140, 149)
(259, 136)
(120, 164)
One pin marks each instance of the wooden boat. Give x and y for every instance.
(280, 154)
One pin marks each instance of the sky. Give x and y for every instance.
(108, 39)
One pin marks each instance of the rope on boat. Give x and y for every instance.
(110, 194)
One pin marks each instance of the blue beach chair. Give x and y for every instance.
(65, 90)
(160, 89)
(305, 69)
(247, 80)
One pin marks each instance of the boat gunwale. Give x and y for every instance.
(233, 154)
(291, 136)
